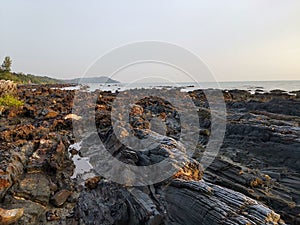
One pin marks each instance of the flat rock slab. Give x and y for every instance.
(34, 186)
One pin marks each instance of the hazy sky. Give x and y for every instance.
(238, 39)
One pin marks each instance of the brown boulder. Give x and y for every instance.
(61, 197)
(10, 216)
(51, 115)
(92, 183)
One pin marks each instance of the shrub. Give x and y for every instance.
(8, 91)
(10, 101)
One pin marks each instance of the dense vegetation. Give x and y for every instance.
(6, 74)
(27, 78)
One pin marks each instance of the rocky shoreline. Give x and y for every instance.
(255, 179)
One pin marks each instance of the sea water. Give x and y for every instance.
(264, 86)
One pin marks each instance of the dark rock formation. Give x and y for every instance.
(187, 200)
(255, 174)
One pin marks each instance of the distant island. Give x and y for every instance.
(102, 79)
(21, 78)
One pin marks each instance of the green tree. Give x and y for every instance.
(6, 65)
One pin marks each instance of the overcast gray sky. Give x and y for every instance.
(238, 39)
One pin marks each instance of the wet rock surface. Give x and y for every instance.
(255, 179)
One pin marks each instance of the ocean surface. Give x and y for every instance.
(252, 86)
